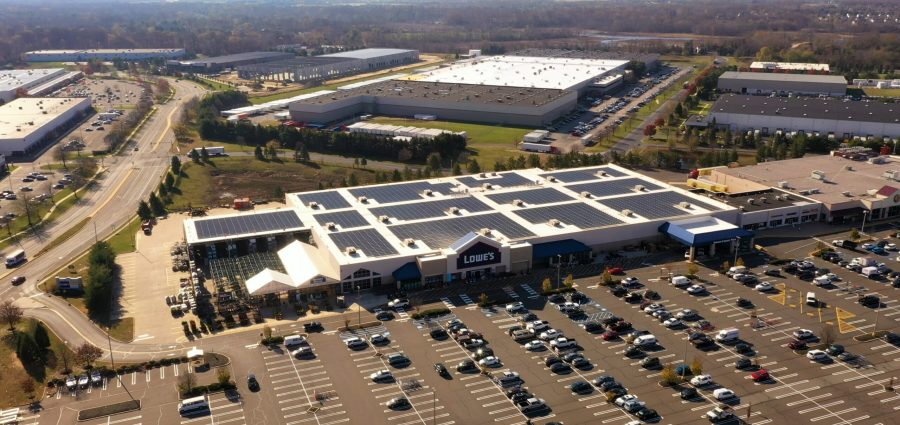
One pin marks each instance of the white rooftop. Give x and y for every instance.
(790, 66)
(702, 225)
(523, 71)
(24, 115)
(14, 78)
(102, 51)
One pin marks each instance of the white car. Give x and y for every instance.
(514, 307)
(653, 307)
(816, 355)
(473, 343)
(567, 306)
(890, 247)
(686, 314)
(302, 351)
(673, 323)
(490, 361)
(534, 345)
(763, 287)
(630, 281)
(538, 325)
(804, 334)
(738, 276)
(696, 289)
(378, 339)
(399, 303)
(701, 380)
(723, 394)
(381, 375)
(563, 343)
(630, 403)
(550, 334)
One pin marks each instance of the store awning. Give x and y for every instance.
(563, 247)
(408, 271)
(848, 212)
(703, 231)
(269, 282)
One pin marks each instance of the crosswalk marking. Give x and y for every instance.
(447, 302)
(509, 291)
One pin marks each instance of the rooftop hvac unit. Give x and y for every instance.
(763, 200)
(314, 205)
(813, 191)
(818, 175)
(585, 194)
(784, 185)
(427, 192)
(685, 205)
(751, 201)
(384, 218)
(890, 174)
(482, 175)
(409, 242)
(494, 174)
(518, 202)
(553, 222)
(330, 226)
(805, 192)
(602, 174)
(453, 210)
(872, 192)
(362, 199)
(846, 193)
(486, 186)
(627, 213)
(350, 250)
(639, 188)
(484, 231)
(551, 179)
(848, 168)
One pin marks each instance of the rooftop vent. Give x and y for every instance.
(751, 201)
(627, 213)
(639, 188)
(586, 194)
(602, 174)
(453, 210)
(330, 226)
(518, 202)
(314, 205)
(553, 222)
(551, 179)
(409, 242)
(427, 192)
(784, 184)
(482, 175)
(362, 199)
(685, 205)
(350, 250)
(847, 193)
(848, 168)
(818, 175)
(486, 186)
(484, 231)
(764, 200)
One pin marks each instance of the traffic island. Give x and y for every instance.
(870, 336)
(108, 410)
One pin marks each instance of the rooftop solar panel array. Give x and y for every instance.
(247, 224)
(345, 219)
(369, 241)
(442, 234)
(329, 199)
(400, 192)
(582, 175)
(612, 187)
(501, 179)
(544, 195)
(420, 210)
(581, 215)
(650, 205)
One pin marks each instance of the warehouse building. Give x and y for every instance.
(847, 189)
(330, 66)
(31, 123)
(760, 83)
(839, 119)
(84, 55)
(221, 63)
(790, 67)
(15, 82)
(465, 228)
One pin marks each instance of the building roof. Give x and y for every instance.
(14, 78)
(763, 200)
(101, 51)
(790, 66)
(701, 231)
(446, 92)
(844, 180)
(22, 116)
(523, 71)
(368, 53)
(807, 107)
(241, 225)
(221, 60)
(765, 76)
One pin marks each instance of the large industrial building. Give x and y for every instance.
(15, 82)
(27, 124)
(330, 66)
(84, 55)
(790, 67)
(510, 90)
(836, 118)
(766, 83)
(464, 228)
(221, 63)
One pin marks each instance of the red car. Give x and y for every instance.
(609, 335)
(760, 375)
(797, 345)
(616, 270)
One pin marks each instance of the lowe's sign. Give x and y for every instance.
(480, 254)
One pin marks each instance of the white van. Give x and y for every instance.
(736, 270)
(811, 299)
(294, 340)
(681, 281)
(644, 340)
(726, 335)
(193, 405)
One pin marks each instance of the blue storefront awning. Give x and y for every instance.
(408, 271)
(563, 247)
(695, 238)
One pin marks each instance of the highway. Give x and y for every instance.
(128, 178)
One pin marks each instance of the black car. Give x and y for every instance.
(601, 379)
(610, 385)
(441, 370)
(578, 297)
(252, 383)
(581, 387)
(557, 299)
(520, 396)
(834, 349)
(650, 362)
(790, 268)
(773, 272)
(593, 327)
(576, 314)
(610, 320)
(633, 297)
(530, 317)
(651, 295)
(560, 368)
(581, 363)
(646, 414)
(621, 326)
(870, 301)
(616, 392)
(439, 334)
(618, 291)
(743, 348)
(689, 394)
(744, 303)
(551, 360)
(742, 363)
(384, 316)
(896, 283)
(466, 366)
(633, 351)
(806, 275)
(313, 327)
(400, 403)
(749, 280)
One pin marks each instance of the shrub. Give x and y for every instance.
(562, 290)
(434, 312)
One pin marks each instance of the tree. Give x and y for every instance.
(353, 180)
(26, 349)
(363, 162)
(144, 212)
(11, 314)
(204, 154)
(606, 279)
(176, 165)
(827, 334)
(569, 281)
(483, 299)
(668, 375)
(169, 180)
(222, 376)
(186, 383)
(457, 170)
(40, 335)
(258, 153)
(156, 205)
(697, 365)
(267, 332)
(725, 266)
(59, 154)
(304, 154)
(473, 167)
(434, 161)
(854, 234)
(739, 262)
(547, 285)
(195, 156)
(86, 354)
(649, 130)
(272, 150)
(534, 161)
(692, 269)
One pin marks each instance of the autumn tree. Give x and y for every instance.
(11, 314)
(86, 354)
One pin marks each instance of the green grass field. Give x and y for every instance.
(123, 241)
(13, 374)
(870, 91)
(488, 143)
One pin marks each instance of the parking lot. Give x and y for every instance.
(106, 95)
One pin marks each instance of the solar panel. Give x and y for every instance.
(369, 241)
(508, 179)
(345, 219)
(577, 214)
(544, 195)
(441, 234)
(420, 210)
(651, 205)
(583, 174)
(331, 199)
(247, 224)
(612, 187)
(400, 192)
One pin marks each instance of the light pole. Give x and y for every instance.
(863, 227)
(358, 308)
(737, 246)
(558, 268)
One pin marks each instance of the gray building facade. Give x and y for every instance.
(324, 67)
(766, 83)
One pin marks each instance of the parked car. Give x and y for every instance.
(723, 394)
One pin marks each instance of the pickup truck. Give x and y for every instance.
(531, 405)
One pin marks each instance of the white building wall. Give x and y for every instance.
(19, 145)
(739, 122)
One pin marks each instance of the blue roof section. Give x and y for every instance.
(563, 247)
(703, 239)
(408, 271)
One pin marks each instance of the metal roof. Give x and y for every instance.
(368, 53)
(765, 76)
(808, 107)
